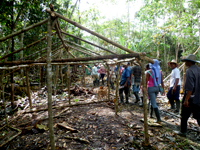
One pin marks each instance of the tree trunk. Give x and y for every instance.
(49, 86)
(83, 67)
(146, 136)
(165, 55)
(158, 53)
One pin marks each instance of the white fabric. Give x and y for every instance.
(174, 75)
(94, 71)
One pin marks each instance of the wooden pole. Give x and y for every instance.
(117, 89)
(89, 42)
(40, 76)
(122, 56)
(146, 136)
(28, 88)
(23, 30)
(49, 85)
(12, 95)
(108, 68)
(68, 83)
(83, 75)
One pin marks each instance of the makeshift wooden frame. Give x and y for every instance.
(55, 16)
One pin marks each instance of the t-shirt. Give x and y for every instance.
(174, 75)
(112, 70)
(136, 71)
(102, 70)
(125, 74)
(94, 71)
(192, 83)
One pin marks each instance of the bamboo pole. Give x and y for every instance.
(28, 88)
(49, 85)
(23, 48)
(23, 30)
(117, 89)
(146, 136)
(108, 68)
(89, 43)
(84, 52)
(122, 56)
(68, 82)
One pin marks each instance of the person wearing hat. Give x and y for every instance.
(175, 83)
(191, 99)
(124, 83)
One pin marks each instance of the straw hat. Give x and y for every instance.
(173, 61)
(190, 57)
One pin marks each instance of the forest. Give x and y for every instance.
(48, 50)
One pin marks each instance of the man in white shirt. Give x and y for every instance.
(175, 83)
(95, 75)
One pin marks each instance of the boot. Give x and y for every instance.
(102, 82)
(151, 112)
(94, 83)
(157, 115)
(97, 82)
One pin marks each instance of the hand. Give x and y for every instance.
(174, 89)
(163, 94)
(186, 104)
(125, 85)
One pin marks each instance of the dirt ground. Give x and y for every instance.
(98, 128)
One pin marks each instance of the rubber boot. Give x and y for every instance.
(97, 82)
(157, 115)
(94, 83)
(151, 112)
(102, 82)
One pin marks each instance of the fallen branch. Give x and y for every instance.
(78, 139)
(67, 105)
(64, 125)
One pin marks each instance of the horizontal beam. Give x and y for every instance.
(122, 56)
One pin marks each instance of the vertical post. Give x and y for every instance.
(40, 76)
(146, 136)
(28, 88)
(2, 87)
(68, 82)
(49, 85)
(117, 89)
(83, 66)
(61, 76)
(108, 68)
(12, 95)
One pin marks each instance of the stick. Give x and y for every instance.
(78, 139)
(23, 30)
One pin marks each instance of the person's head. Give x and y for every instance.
(128, 63)
(172, 64)
(189, 60)
(147, 66)
(95, 65)
(125, 65)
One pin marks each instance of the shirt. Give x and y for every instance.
(174, 75)
(136, 71)
(192, 83)
(102, 70)
(125, 74)
(94, 71)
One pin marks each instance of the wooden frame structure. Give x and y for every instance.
(53, 23)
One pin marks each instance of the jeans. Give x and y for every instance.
(135, 89)
(126, 91)
(174, 96)
(152, 92)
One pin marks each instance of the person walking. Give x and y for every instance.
(153, 79)
(102, 73)
(191, 98)
(124, 83)
(95, 75)
(175, 83)
(136, 75)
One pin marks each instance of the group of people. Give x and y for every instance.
(131, 77)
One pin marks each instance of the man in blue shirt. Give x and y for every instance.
(124, 83)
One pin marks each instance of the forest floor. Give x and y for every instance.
(96, 127)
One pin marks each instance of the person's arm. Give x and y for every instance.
(188, 94)
(126, 83)
(162, 83)
(175, 84)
